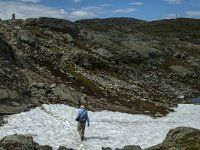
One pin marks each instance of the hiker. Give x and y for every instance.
(82, 117)
(13, 16)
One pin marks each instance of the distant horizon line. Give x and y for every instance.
(102, 18)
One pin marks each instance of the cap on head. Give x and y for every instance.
(82, 106)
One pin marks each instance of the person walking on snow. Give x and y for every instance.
(82, 117)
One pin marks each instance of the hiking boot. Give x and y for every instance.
(82, 138)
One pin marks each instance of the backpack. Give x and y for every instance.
(83, 117)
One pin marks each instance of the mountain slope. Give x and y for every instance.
(139, 67)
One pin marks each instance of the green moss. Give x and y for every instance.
(197, 147)
(192, 51)
(69, 67)
(37, 32)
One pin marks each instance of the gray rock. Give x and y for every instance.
(106, 148)
(53, 85)
(130, 147)
(67, 94)
(21, 142)
(180, 138)
(182, 71)
(53, 23)
(39, 85)
(68, 37)
(45, 147)
(8, 109)
(7, 94)
(27, 37)
(64, 148)
(6, 51)
(103, 52)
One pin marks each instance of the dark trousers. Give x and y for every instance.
(81, 129)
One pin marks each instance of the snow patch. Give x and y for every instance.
(55, 125)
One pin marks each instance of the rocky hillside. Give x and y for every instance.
(119, 64)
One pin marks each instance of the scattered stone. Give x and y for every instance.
(179, 55)
(53, 85)
(181, 97)
(39, 85)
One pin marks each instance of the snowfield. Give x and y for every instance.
(55, 125)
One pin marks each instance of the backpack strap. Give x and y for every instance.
(82, 113)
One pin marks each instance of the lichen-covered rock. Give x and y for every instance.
(181, 138)
(28, 37)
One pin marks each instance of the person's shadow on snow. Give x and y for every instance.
(97, 138)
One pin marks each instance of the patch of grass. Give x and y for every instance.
(192, 51)
(184, 29)
(69, 67)
(37, 32)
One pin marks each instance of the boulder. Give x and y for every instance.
(89, 61)
(39, 85)
(9, 109)
(7, 94)
(6, 51)
(106, 148)
(27, 37)
(130, 147)
(69, 38)
(180, 138)
(59, 25)
(182, 71)
(12, 102)
(64, 148)
(21, 142)
(67, 94)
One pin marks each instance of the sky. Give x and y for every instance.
(84, 9)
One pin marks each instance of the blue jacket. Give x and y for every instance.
(81, 113)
